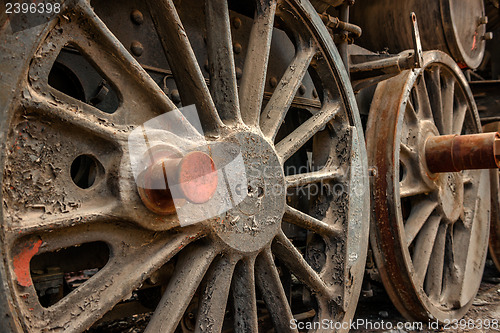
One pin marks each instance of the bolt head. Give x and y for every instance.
(239, 73)
(273, 82)
(488, 36)
(136, 48)
(483, 20)
(236, 23)
(237, 48)
(137, 17)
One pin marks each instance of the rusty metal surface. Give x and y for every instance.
(429, 231)
(454, 153)
(67, 184)
(450, 26)
(195, 175)
(494, 243)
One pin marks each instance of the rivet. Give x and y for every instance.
(137, 17)
(273, 82)
(236, 23)
(136, 48)
(302, 89)
(315, 93)
(483, 20)
(176, 98)
(488, 36)
(237, 48)
(239, 73)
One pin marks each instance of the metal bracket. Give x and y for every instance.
(417, 45)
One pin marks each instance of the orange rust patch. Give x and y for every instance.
(22, 260)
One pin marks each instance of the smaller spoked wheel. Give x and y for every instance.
(429, 231)
(494, 243)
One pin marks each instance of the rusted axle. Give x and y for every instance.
(192, 177)
(453, 153)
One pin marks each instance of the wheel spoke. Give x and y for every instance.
(435, 97)
(187, 73)
(292, 142)
(106, 51)
(448, 94)
(451, 281)
(434, 284)
(412, 113)
(213, 301)
(308, 222)
(107, 211)
(268, 280)
(245, 305)
(413, 190)
(256, 62)
(288, 254)
(423, 247)
(71, 111)
(407, 153)
(419, 215)
(463, 259)
(129, 266)
(221, 61)
(424, 104)
(458, 121)
(189, 271)
(412, 184)
(277, 108)
(302, 179)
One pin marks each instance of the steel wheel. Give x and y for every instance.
(60, 217)
(494, 243)
(429, 230)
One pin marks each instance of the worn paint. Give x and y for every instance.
(22, 260)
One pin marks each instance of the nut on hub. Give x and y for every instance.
(194, 175)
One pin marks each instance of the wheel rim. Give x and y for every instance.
(429, 241)
(54, 215)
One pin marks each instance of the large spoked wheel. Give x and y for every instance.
(296, 244)
(494, 243)
(429, 231)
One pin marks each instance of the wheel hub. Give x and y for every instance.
(451, 195)
(428, 130)
(250, 182)
(257, 194)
